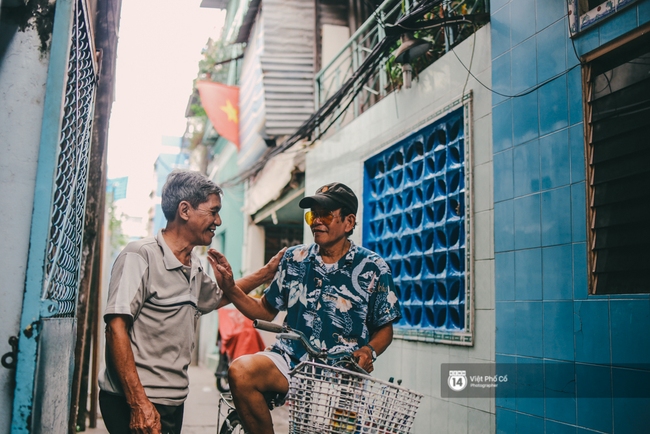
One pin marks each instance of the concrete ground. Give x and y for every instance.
(202, 405)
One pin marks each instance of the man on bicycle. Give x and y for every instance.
(340, 295)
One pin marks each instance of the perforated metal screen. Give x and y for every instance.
(415, 218)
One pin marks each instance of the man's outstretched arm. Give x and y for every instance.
(253, 308)
(263, 275)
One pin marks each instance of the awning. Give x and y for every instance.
(272, 180)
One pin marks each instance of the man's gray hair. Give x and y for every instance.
(192, 187)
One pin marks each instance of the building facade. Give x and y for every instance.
(561, 306)
(504, 187)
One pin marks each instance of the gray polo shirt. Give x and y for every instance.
(149, 285)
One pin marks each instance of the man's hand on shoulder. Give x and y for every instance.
(273, 264)
(145, 418)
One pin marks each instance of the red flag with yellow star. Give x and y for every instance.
(221, 103)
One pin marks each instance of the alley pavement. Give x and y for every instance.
(202, 406)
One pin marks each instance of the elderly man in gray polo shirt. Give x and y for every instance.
(157, 293)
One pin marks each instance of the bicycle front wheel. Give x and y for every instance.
(232, 425)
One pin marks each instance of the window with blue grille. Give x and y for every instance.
(416, 217)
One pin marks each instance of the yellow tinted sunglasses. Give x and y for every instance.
(326, 217)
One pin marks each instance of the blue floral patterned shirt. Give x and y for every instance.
(338, 308)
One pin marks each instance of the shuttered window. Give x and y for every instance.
(618, 169)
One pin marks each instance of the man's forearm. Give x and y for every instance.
(254, 280)
(118, 345)
(382, 338)
(263, 275)
(252, 308)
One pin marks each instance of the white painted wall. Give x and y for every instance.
(23, 74)
(340, 158)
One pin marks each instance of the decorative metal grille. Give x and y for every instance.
(415, 217)
(66, 232)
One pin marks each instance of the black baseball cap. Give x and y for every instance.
(332, 196)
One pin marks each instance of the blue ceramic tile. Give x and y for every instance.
(504, 269)
(556, 216)
(558, 330)
(524, 66)
(580, 271)
(505, 327)
(554, 159)
(502, 126)
(506, 421)
(526, 168)
(587, 41)
(560, 391)
(506, 393)
(621, 23)
(628, 317)
(522, 20)
(500, 31)
(504, 235)
(529, 424)
(503, 176)
(529, 328)
(631, 401)
(495, 5)
(631, 415)
(525, 119)
(527, 222)
(574, 88)
(631, 384)
(578, 212)
(528, 274)
(580, 430)
(577, 150)
(551, 51)
(643, 11)
(530, 386)
(549, 11)
(572, 58)
(593, 385)
(559, 428)
(501, 79)
(558, 272)
(553, 106)
(591, 328)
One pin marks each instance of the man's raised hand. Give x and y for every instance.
(222, 269)
(273, 264)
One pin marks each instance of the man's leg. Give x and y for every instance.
(249, 377)
(171, 418)
(115, 412)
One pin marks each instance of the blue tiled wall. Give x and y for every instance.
(544, 314)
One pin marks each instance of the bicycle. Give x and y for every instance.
(339, 397)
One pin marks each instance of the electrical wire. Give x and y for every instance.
(350, 89)
(520, 94)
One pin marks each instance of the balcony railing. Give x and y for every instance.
(387, 76)
(332, 76)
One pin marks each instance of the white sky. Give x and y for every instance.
(158, 53)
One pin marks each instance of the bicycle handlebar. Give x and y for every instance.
(286, 332)
(268, 326)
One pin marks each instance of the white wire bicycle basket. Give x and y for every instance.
(326, 399)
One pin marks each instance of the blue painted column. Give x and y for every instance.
(43, 196)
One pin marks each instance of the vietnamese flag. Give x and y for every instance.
(221, 103)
